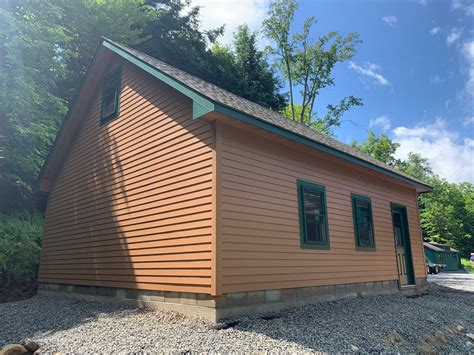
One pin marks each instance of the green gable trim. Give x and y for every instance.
(201, 104)
(201, 108)
(322, 147)
(301, 186)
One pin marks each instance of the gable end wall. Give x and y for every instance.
(132, 205)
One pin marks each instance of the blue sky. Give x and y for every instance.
(414, 70)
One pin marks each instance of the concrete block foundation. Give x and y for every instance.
(215, 308)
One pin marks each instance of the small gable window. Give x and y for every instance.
(313, 215)
(111, 96)
(363, 222)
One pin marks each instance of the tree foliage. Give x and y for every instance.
(30, 110)
(447, 214)
(174, 37)
(308, 65)
(381, 148)
(416, 166)
(261, 85)
(20, 245)
(45, 49)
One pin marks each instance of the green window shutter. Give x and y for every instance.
(363, 222)
(314, 231)
(110, 106)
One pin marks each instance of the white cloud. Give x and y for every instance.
(456, 4)
(435, 80)
(231, 13)
(435, 30)
(390, 20)
(370, 70)
(468, 121)
(453, 36)
(466, 6)
(449, 156)
(382, 121)
(468, 53)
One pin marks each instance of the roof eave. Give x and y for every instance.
(420, 188)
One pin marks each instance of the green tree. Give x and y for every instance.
(277, 28)
(296, 109)
(446, 214)
(258, 80)
(310, 121)
(86, 22)
(175, 37)
(46, 46)
(381, 148)
(30, 112)
(416, 166)
(308, 65)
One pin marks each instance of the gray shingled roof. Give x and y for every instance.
(237, 103)
(441, 246)
(432, 247)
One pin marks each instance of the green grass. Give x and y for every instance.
(468, 266)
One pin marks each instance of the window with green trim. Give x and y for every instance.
(111, 96)
(363, 221)
(313, 215)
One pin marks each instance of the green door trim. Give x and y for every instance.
(395, 207)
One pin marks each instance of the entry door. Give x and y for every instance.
(402, 244)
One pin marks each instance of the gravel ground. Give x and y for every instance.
(373, 324)
(458, 280)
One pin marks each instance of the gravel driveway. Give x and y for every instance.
(434, 322)
(457, 280)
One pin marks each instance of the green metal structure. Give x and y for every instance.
(442, 254)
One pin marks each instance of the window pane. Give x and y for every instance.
(110, 96)
(109, 105)
(364, 223)
(397, 229)
(314, 216)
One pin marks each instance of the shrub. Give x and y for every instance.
(468, 265)
(20, 247)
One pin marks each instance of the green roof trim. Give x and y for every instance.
(201, 108)
(301, 139)
(201, 104)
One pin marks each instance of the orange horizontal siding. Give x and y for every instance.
(259, 221)
(132, 205)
